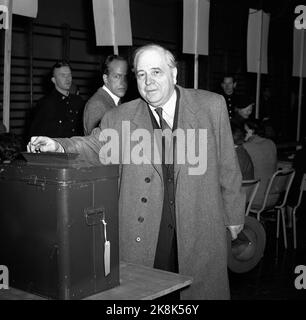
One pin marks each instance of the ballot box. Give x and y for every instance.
(59, 226)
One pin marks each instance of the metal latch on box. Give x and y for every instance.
(94, 216)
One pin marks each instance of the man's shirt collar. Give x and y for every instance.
(168, 110)
(114, 97)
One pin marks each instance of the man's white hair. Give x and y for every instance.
(170, 59)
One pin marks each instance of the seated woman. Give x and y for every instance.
(243, 110)
(244, 159)
(299, 165)
(263, 154)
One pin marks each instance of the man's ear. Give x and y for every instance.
(235, 83)
(174, 75)
(53, 80)
(105, 80)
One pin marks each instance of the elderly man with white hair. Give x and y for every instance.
(171, 217)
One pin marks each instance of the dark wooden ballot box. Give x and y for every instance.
(57, 219)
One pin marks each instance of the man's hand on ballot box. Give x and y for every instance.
(44, 144)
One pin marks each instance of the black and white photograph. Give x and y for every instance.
(153, 150)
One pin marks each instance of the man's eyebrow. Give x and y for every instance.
(154, 68)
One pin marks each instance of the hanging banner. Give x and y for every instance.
(258, 32)
(4, 16)
(196, 26)
(26, 8)
(299, 61)
(112, 22)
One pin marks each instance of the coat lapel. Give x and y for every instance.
(187, 119)
(142, 120)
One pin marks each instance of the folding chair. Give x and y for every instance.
(275, 198)
(302, 189)
(249, 187)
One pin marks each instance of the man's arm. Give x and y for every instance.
(42, 121)
(230, 175)
(87, 147)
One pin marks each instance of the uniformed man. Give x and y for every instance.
(228, 85)
(59, 114)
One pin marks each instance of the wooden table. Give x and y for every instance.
(136, 283)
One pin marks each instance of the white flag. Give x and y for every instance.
(196, 26)
(299, 53)
(26, 8)
(112, 22)
(257, 20)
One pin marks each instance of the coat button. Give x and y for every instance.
(138, 239)
(147, 180)
(140, 219)
(171, 202)
(60, 121)
(144, 200)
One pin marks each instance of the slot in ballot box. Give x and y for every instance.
(59, 233)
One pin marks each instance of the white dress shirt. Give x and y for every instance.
(114, 97)
(168, 110)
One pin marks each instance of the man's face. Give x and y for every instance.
(228, 85)
(116, 80)
(155, 78)
(62, 78)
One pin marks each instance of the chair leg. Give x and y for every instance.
(284, 227)
(277, 224)
(294, 228)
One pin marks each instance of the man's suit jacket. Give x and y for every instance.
(95, 108)
(205, 203)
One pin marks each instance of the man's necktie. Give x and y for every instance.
(166, 140)
(162, 121)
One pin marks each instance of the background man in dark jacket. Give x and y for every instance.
(59, 114)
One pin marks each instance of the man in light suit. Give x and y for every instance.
(170, 217)
(114, 72)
